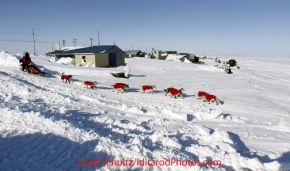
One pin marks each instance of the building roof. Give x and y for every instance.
(91, 49)
(171, 52)
(130, 52)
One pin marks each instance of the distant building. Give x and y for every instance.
(134, 53)
(66, 48)
(157, 54)
(169, 52)
(48, 53)
(185, 54)
(100, 56)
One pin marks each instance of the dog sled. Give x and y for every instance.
(119, 75)
(123, 74)
(32, 69)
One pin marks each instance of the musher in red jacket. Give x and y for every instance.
(26, 60)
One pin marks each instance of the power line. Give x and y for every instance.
(12, 33)
(45, 37)
(16, 40)
(43, 46)
(7, 39)
(26, 41)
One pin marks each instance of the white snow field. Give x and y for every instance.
(47, 125)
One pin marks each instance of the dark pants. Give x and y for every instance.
(24, 67)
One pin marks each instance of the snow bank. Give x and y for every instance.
(52, 59)
(7, 59)
(67, 48)
(171, 57)
(90, 64)
(45, 122)
(186, 60)
(65, 61)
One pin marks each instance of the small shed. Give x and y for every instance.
(99, 56)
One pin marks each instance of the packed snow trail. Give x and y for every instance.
(46, 124)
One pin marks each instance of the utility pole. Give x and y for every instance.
(74, 40)
(63, 43)
(91, 41)
(33, 41)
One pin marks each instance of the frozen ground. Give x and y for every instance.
(46, 124)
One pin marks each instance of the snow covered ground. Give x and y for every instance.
(46, 124)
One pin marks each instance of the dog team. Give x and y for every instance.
(121, 87)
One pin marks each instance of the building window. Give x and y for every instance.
(84, 59)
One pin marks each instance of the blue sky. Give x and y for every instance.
(224, 27)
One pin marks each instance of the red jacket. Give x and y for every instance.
(171, 88)
(210, 97)
(90, 83)
(120, 85)
(65, 77)
(175, 91)
(147, 87)
(201, 93)
(24, 61)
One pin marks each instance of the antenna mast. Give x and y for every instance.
(98, 38)
(33, 41)
(74, 40)
(91, 41)
(137, 39)
(63, 43)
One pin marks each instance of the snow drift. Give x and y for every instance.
(46, 124)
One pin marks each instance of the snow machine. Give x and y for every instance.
(228, 70)
(231, 62)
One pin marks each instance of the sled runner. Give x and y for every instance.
(119, 75)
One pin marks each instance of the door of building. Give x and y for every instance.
(112, 60)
